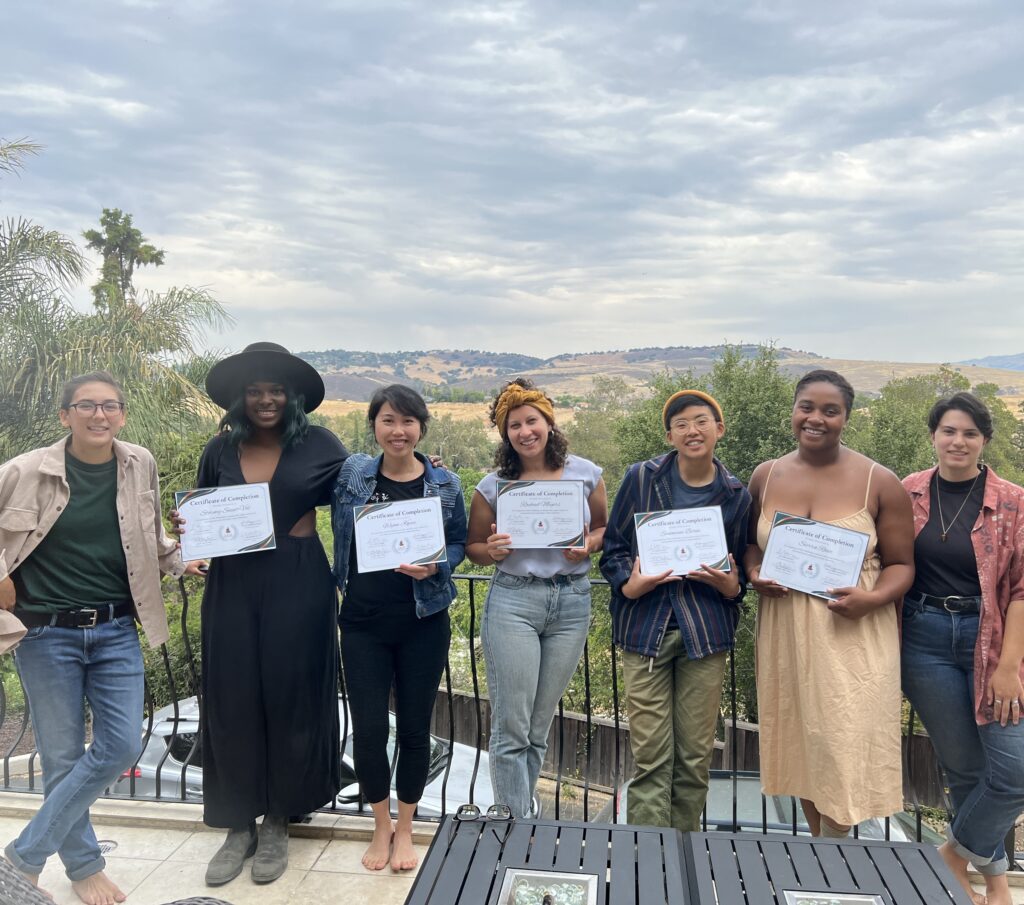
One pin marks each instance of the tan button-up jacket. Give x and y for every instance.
(34, 491)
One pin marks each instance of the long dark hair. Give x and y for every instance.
(294, 422)
(506, 459)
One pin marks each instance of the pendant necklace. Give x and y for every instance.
(938, 500)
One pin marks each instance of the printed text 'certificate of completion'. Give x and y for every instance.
(810, 556)
(223, 521)
(540, 514)
(405, 532)
(680, 540)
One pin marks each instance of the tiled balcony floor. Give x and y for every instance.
(155, 863)
(162, 851)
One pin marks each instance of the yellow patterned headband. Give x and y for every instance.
(704, 397)
(514, 396)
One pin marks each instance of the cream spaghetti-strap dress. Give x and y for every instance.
(828, 691)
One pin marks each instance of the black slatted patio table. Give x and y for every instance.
(749, 869)
(635, 865)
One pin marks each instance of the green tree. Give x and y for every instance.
(460, 442)
(756, 398)
(123, 248)
(150, 344)
(592, 432)
(1003, 452)
(33, 261)
(353, 429)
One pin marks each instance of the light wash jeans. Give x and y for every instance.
(984, 765)
(60, 669)
(533, 633)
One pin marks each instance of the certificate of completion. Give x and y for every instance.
(224, 521)
(404, 532)
(679, 540)
(541, 514)
(810, 556)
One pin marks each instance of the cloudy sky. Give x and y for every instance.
(545, 177)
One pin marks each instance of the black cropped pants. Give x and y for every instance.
(409, 654)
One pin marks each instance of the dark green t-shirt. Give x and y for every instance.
(80, 562)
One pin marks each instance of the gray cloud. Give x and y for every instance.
(839, 177)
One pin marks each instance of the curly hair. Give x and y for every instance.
(506, 459)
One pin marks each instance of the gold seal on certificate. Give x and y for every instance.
(681, 540)
(541, 514)
(401, 533)
(225, 521)
(811, 556)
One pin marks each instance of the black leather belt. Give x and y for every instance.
(951, 604)
(84, 618)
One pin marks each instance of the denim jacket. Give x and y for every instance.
(706, 620)
(356, 484)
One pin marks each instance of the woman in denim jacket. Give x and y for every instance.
(394, 625)
(538, 607)
(963, 637)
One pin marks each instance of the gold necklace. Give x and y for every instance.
(938, 500)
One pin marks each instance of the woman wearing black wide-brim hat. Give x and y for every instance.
(270, 707)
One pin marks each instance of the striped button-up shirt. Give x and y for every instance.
(705, 618)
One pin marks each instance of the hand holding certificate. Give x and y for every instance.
(541, 514)
(681, 540)
(403, 532)
(813, 557)
(225, 521)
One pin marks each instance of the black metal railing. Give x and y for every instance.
(588, 756)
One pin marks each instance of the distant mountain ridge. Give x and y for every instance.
(355, 374)
(1006, 362)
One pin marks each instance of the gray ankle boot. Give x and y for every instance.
(272, 852)
(227, 863)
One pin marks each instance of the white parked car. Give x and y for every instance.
(455, 773)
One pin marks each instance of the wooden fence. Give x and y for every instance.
(610, 760)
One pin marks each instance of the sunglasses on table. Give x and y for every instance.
(497, 815)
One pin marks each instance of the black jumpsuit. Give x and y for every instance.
(270, 650)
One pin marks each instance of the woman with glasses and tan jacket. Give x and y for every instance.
(82, 547)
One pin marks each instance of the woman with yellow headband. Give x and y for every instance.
(538, 608)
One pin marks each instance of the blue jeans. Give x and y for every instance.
(533, 633)
(984, 765)
(60, 669)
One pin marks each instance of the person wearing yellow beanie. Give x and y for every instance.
(674, 630)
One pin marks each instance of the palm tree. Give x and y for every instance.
(150, 341)
(30, 256)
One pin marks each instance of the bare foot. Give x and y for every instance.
(997, 890)
(377, 855)
(958, 867)
(98, 889)
(403, 855)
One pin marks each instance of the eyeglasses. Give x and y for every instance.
(702, 424)
(496, 815)
(88, 407)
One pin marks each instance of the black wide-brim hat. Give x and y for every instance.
(228, 379)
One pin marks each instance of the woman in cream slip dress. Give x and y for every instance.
(828, 673)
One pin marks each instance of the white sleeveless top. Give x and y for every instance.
(546, 563)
